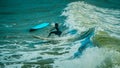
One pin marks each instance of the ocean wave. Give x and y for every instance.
(82, 16)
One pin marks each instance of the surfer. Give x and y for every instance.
(57, 32)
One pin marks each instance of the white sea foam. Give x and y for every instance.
(83, 16)
(92, 58)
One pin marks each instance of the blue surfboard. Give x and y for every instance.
(39, 26)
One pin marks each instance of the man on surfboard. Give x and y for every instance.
(57, 32)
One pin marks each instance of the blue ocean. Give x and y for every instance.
(90, 34)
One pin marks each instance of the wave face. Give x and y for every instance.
(82, 16)
(105, 16)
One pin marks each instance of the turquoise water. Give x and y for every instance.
(18, 49)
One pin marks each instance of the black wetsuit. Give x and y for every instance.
(57, 32)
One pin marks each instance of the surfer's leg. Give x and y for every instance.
(54, 32)
(59, 33)
(49, 34)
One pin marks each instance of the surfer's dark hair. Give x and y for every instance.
(56, 24)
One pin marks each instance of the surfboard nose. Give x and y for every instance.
(31, 30)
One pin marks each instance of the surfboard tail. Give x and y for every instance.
(31, 30)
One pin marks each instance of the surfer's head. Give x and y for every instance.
(56, 24)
